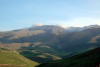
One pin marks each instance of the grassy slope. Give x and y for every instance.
(88, 59)
(13, 59)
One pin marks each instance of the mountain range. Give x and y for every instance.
(50, 42)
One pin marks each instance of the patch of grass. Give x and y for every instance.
(13, 59)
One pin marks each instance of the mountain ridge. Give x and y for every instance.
(68, 29)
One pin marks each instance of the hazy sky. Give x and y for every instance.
(16, 14)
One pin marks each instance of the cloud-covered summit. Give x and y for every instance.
(37, 24)
(63, 26)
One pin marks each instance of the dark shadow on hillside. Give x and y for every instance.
(5, 39)
(40, 59)
(27, 52)
(31, 45)
(31, 39)
(70, 55)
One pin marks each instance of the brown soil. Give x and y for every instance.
(11, 65)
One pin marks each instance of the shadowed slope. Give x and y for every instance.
(87, 59)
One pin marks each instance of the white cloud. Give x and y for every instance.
(38, 24)
(75, 22)
(63, 26)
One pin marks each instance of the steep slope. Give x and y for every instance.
(13, 59)
(87, 59)
(49, 29)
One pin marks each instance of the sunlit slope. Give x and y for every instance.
(13, 59)
(87, 59)
(29, 36)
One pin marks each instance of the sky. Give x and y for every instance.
(17, 14)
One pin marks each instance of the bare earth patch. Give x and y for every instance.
(11, 65)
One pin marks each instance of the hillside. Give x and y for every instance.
(13, 59)
(87, 59)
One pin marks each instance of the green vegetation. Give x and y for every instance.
(39, 54)
(87, 59)
(13, 59)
